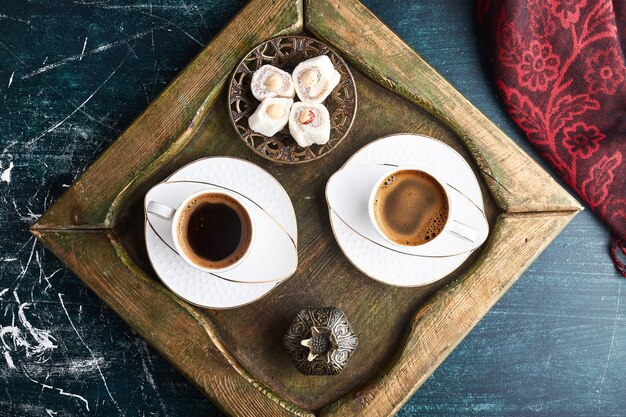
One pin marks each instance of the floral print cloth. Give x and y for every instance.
(559, 67)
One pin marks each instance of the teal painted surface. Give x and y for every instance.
(74, 74)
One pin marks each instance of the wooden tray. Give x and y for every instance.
(235, 356)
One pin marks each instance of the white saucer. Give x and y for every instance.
(351, 208)
(272, 258)
(379, 261)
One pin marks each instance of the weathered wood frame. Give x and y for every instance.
(78, 228)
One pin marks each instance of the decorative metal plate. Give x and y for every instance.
(286, 52)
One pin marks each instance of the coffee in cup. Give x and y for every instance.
(410, 207)
(212, 229)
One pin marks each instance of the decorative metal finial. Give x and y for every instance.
(320, 341)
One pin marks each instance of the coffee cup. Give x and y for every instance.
(212, 229)
(413, 209)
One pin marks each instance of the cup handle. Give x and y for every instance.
(463, 231)
(163, 211)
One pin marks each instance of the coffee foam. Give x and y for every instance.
(244, 240)
(411, 207)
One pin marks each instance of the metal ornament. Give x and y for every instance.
(286, 52)
(320, 341)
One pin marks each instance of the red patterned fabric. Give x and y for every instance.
(559, 67)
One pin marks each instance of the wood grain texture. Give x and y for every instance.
(250, 364)
(451, 313)
(161, 128)
(126, 290)
(375, 50)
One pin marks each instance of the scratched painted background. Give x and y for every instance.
(74, 74)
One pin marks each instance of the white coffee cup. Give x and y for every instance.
(455, 237)
(173, 215)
